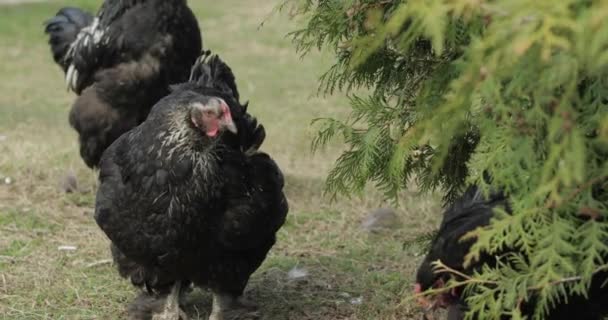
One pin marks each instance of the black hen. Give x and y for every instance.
(471, 211)
(120, 63)
(186, 200)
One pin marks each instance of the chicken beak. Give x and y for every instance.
(229, 125)
(226, 121)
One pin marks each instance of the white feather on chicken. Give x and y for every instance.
(91, 35)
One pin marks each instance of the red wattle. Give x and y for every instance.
(212, 132)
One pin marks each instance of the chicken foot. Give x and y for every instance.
(224, 303)
(171, 310)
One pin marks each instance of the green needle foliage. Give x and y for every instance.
(456, 89)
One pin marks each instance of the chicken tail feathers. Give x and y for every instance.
(211, 72)
(252, 134)
(63, 29)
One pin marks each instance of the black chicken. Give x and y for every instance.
(471, 211)
(184, 199)
(120, 63)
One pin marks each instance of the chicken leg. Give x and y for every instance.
(224, 303)
(171, 310)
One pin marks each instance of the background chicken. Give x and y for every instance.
(183, 199)
(471, 211)
(120, 63)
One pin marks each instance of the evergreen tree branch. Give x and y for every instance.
(456, 90)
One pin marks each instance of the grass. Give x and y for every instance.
(353, 274)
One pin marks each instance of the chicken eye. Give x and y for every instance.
(208, 113)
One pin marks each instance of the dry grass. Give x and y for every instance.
(37, 149)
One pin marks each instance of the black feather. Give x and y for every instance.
(470, 211)
(209, 71)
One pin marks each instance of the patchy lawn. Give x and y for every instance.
(351, 274)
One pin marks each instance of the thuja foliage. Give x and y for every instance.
(458, 90)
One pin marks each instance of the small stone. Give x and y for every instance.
(356, 301)
(69, 183)
(382, 218)
(297, 273)
(8, 180)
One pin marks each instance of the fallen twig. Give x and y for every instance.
(99, 263)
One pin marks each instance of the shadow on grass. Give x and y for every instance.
(278, 298)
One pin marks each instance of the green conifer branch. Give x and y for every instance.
(515, 89)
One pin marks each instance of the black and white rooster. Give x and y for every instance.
(186, 197)
(120, 63)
